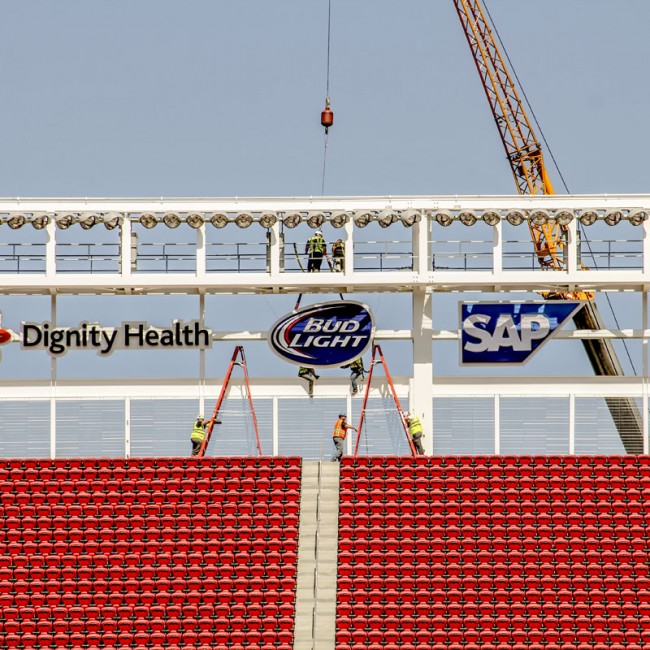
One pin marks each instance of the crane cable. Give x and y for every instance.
(557, 167)
(327, 93)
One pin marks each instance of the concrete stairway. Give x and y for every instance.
(317, 553)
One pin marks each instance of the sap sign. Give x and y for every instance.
(326, 335)
(509, 332)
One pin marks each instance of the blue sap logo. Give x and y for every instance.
(326, 335)
(509, 332)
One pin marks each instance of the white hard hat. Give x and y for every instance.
(199, 416)
(318, 232)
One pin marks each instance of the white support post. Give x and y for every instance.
(497, 424)
(127, 256)
(571, 258)
(53, 373)
(201, 355)
(646, 248)
(127, 427)
(50, 250)
(275, 424)
(644, 355)
(349, 248)
(53, 426)
(348, 410)
(274, 245)
(201, 252)
(572, 424)
(420, 245)
(497, 249)
(422, 395)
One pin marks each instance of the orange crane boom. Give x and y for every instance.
(524, 153)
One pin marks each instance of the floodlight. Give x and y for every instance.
(315, 220)
(638, 217)
(539, 218)
(563, 217)
(410, 217)
(17, 221)
(588, 217)
(243, 219)
(467, 218)
(195, 220)
(112, 220)
(40, 220)
(444, 218)
(362, 218)
(64, 221)
(292, 219)
(88, 220)
(515, 217)
(491, 217)
(268, 220)
(613, 217)
(386, 217)
(219, 220)
(148, 220)
(339, 219)
(171, 219)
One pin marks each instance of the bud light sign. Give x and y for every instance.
(327, 335)
(509, 333)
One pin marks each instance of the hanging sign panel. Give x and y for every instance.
(325, 335)
(509, 333)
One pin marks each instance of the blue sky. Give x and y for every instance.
(223, 98)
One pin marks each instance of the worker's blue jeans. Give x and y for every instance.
(339, 442)
(353, 379)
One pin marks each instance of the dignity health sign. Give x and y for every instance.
(509, 333)
(324, 336)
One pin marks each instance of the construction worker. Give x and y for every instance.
(338, 255)
(340, 431)
(415, 429)
(309, 375)
(198, 434)
(315, 248)
(356, 372)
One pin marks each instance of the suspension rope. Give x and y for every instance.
(327, 93)
(557, 168)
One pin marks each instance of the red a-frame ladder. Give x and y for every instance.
(239, 352)
(376, 352)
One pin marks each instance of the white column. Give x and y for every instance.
(201, 355)
(349, 248)
(572, 424)
(126, 252)
(646, 247)
(53, 370)
(53, 426)
(420, 234)
(127, 427)
(572, 247)
(275, 419)
(274, 243)
(497, 249)
(50, 249)
(422, 395)
(644, 353)
(201, 252)
(497, 425)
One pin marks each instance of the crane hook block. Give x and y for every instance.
(327, 116)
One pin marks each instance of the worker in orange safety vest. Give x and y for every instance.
(340, 431)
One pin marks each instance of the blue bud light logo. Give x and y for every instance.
(510, 333)
(327, 335)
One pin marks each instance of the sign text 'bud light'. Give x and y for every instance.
(325, 335)
(509, 333)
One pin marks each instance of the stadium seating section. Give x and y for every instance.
(494, 553)
(149, 553)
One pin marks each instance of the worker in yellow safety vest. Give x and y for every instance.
(198, 433)
(315, 248)
(340, 431)
(415, 429)
(338, 255)
(356, 372)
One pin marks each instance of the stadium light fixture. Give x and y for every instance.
(292, 219)
(491, 217)
(386, 217)
(410, 218)
(539, 218)
(339, 219)
(195, 220)
(362, 218)
(638, 217)
(40, 220)
(268, 220)
(243, 219)
(613, 217)
(467, 218)
(112, 220)
(563, 217)
(315, 220)
(64, 221)
(515, 217)
(16, 221)
(88, 220)
(444, 218)
(172, 220)
(148, 220)
(588, 217)
(219, 220)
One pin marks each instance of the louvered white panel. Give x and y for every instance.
(24, 429)
(463, 425)
(595, 431)
(382, 433)
(534, 425)
(90, 428)
(235, 436)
